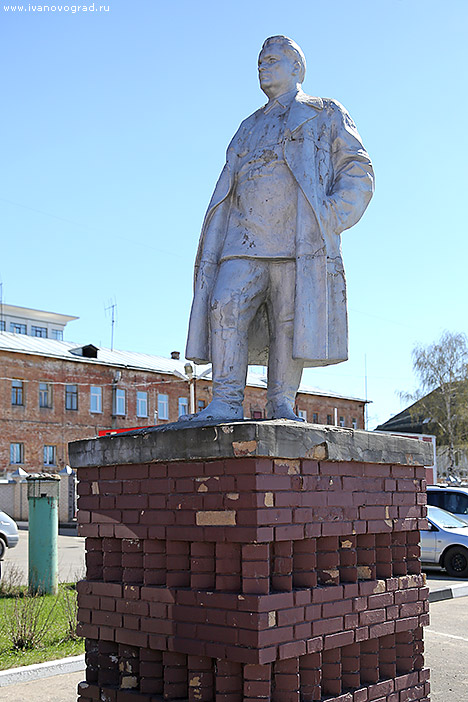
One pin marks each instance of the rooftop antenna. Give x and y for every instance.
(365, 391)
(112, 306)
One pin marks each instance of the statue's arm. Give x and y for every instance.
(353, 179)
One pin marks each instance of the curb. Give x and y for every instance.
(28, 673)
(65, 526)
(448, 593)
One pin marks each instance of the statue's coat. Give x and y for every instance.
(335, 182)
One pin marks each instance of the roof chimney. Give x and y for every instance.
(175, 355)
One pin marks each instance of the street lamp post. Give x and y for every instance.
(189, 372)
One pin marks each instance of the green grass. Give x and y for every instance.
(53, 614)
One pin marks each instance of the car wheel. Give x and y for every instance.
(456, 562)
(2, 549)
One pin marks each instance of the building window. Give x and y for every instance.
(71, 397)
(50, 456)
(17, 328)
(16, 453)
(45, 395)
(119, 401)
(57, 334)
(354, 423)
(163, 406)
(95, 399)
(315, 418)
(2, 325)
(142, 404)
(183, 406)
(200, 405)
(342, 422)
(39, 331)
(329, 419)
(302, 414)
(256, 414)
(17, 392)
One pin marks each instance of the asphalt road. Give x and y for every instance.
(446, 643)
(70, 557)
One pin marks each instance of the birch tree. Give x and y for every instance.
(442, 395)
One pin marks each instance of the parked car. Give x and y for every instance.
(445, 543)
(8, 533)
(452, 499)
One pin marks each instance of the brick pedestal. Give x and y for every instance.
(252, 562)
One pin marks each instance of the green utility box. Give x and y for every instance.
(43, 493)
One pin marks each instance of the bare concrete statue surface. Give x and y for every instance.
(269, 279)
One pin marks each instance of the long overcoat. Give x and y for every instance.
(335, 180)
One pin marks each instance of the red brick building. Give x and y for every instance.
(53, 392)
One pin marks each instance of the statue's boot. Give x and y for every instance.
(218, 411)
(284, 410)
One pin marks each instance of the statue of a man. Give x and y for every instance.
(269, 280)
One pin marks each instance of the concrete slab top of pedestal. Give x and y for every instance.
(182, 441)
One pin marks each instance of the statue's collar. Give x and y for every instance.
(283, 100)
(300, 111)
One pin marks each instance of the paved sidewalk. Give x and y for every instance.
(60, 688)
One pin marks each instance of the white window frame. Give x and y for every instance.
(17, 393)
(50, 455)
(341, 422)
(95, 399)
(71, 397)
(57, 334)
(16, 453)
(42, 332)
(183, 406)
(163, 406)
(18, 328)
(119, 401)
(142, 403)
(302, 414)
(45, 395)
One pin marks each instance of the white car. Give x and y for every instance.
(445, 543)
(8, 533)
(452, 499)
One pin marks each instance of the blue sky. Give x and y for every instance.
(115, 126)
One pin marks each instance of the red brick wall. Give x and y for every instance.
(36, 427)
(250, 579)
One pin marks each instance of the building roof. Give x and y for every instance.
(29, 313)
(412, 420)
(51, 348)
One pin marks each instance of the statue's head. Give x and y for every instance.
(281, 65)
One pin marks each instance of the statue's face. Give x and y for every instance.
(277, 71)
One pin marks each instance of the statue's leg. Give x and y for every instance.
(284, 372)
(240, 289)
